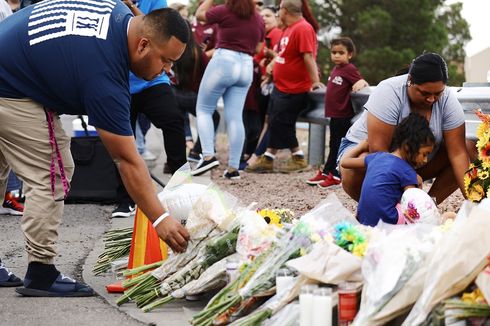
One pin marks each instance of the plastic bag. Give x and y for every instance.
(459, 257)
(255, 234)
(390, 262)
(180, 194)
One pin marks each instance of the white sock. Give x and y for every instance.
(299, 153)
(270, 155)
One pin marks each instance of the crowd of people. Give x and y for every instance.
(130, 63)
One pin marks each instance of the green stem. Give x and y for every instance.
(157, 303)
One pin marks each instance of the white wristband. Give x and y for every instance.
(160, 219)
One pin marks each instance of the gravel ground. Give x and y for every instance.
(278, 190)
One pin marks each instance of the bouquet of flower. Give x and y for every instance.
(476, 178)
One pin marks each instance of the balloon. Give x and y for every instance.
(418, 207)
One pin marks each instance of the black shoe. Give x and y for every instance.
(62, 287)
(7, 278)
(193, 157)
(123, 210)
(204, 166)
(233, 175)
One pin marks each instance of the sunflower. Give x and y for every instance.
(483, 174)
(271, 217)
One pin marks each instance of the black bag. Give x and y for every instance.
(94, 179)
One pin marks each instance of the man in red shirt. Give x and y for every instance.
(295, 73)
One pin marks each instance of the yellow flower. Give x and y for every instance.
(475, 193)
(359, 250)
(483, 174)
(271, 217)
(481, 130)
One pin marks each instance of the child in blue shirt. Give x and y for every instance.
(388, 175)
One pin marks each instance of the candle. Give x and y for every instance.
(348, 302)
(322, 307)
(284, 281)
(306, 304)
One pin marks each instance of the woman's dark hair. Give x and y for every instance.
(308, 15)
(189, 67)
(345, 41)
(428, 67)
(413, 131)
(242, 8)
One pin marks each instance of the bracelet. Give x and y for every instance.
(160, 219)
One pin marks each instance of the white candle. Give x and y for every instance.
(306, 304)
(322, 307)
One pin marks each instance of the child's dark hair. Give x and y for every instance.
(414, 131)
(345, 41)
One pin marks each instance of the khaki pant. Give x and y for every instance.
(25, 147)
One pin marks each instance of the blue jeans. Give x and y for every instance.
(228, 75)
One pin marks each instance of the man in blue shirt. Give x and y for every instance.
(156, 100)
(74, 57)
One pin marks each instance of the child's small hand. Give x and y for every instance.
(360, 84)
(317, 85)
(420, 181)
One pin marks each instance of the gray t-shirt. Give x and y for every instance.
(389, 102)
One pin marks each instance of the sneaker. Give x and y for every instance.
(318, 178)
(11, 206)
(204, 166)
(234, 175)
(7, 278)
(123, 210)
(296, 163)
(331, 180)
(148, 156)
(263, 165)
(193, 157)
(63, 286)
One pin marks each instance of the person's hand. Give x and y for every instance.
(360, 84)
(420, 181)
(129, 3)
(173, 233)
(317, 85)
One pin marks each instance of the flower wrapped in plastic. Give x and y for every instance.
(476, 178)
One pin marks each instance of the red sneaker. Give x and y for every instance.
(330, 180)
(11, 206)
(318, 178)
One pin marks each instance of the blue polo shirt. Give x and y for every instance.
(71, 57)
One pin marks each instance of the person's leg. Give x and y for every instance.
(351, 178)
(160, 107)
(43, 209)
(214, 83)
(140, 139)
(338, 129)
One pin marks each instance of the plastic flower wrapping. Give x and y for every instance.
(476, 178)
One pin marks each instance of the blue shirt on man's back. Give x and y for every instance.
(71, 57)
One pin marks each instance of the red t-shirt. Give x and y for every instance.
(339, 88)
(274, 36)
(290, 74)
(234, 33)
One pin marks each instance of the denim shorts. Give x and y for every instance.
(345, 145)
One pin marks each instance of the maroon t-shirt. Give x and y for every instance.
(234, 33)
(339, 88)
